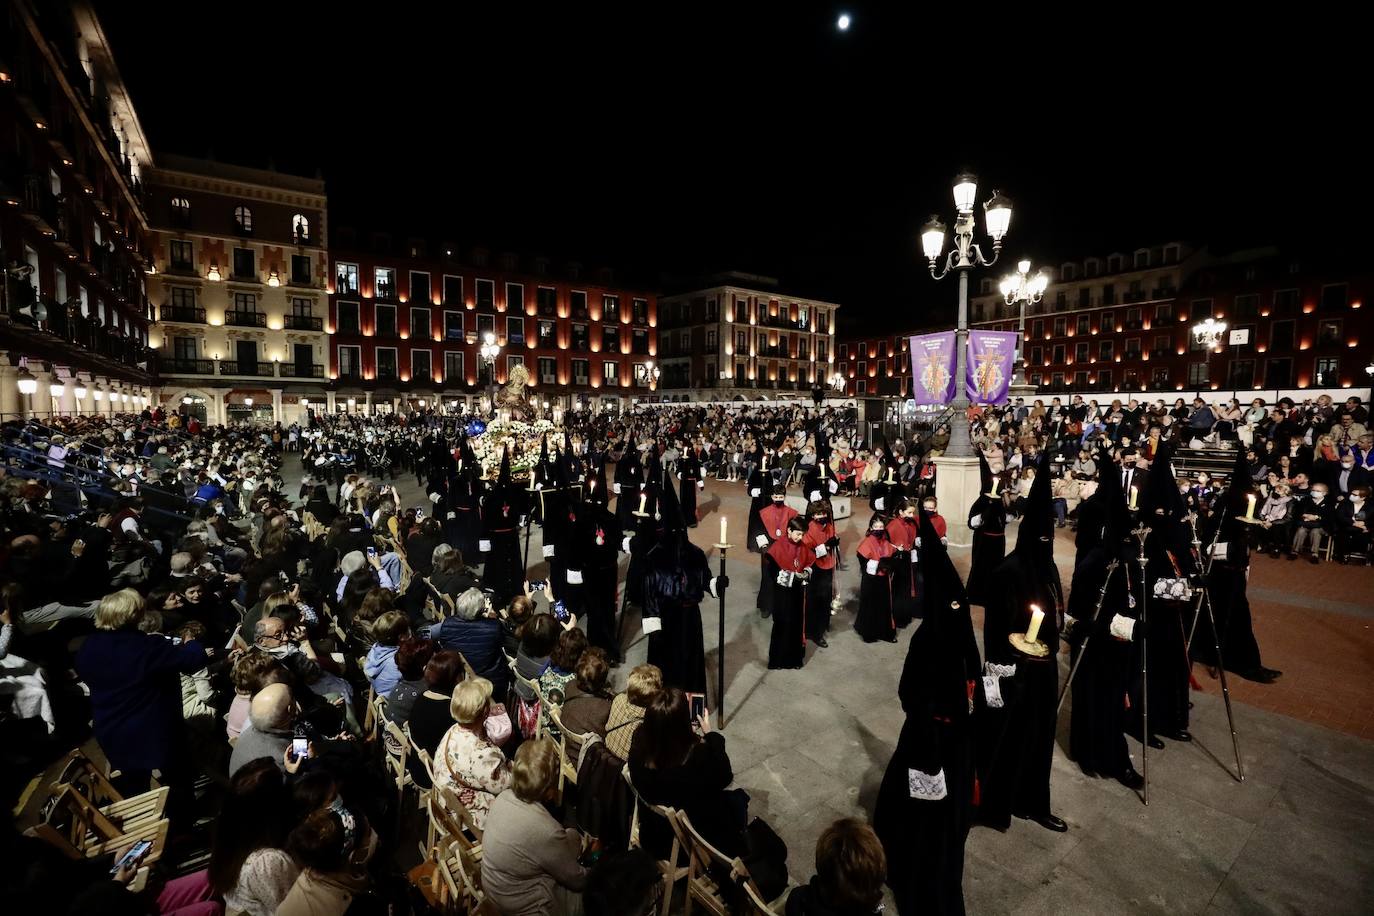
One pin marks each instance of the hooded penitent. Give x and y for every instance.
(925, 803)
(676, 578)
(987, 518)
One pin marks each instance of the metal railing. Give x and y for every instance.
(302, 323)
(183, 313)
(301, 370)
(245, 319)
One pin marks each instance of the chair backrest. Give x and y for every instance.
(533, 686)
(702, 857)
(460, 813)
(81, 773)
(397, 749)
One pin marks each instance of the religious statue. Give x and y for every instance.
(512, 397)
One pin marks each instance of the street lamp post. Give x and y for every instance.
(957, 478)
(1208, 333)
(27, 386)
(963, 257)
(1021, 289)
(490, 350)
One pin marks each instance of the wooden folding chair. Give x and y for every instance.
(702, 886)
(670, 869)
(533, 685)
(81, 830)
(567, 770)
(395, 750)
(461, 874)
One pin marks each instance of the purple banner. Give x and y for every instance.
(932, 368)
(991, 361)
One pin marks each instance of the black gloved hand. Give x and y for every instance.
(722, 582)
(833, 543)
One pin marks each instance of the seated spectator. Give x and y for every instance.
(271, 726)
(333, 846)
(431, 716)
(249, 865)
(627, 709)
(1352, 525)
(1276, 520)
(1312, 524)
(251, 672)
(513, 621)
(539, 637)
(474, 631)
(851, 869)
(380, 664)
(672, 765)
(530, 861)
(559, 673)
(420, 547)
(586, 702)
(449, 574)
(467, 761)
(412, 655)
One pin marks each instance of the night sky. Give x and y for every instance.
(669, 140)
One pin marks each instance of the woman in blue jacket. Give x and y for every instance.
(135, 685)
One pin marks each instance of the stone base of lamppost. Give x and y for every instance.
(1020, 389)
(957, 484)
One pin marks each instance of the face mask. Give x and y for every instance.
(1318, 496)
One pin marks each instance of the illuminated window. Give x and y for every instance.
(243, 220)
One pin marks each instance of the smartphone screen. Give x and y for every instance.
(136, 852)
(697, 704)
(372, 551)
(560, 613)
(299, 747)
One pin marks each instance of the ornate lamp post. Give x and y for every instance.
(963, 257)
(490, 350)
(27, 385)
(957, 480)
(1020, 289)
(1208, 334)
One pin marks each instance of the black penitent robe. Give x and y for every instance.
(874, 619)
(1097, 718)
(989, 545)
(1226, 583)
(647, 531)
(594, 542)
(689, 469)
(629, 474)
(465, 528)
(503, 569)
(1169, 667)
(787, 643)
(675, 582)
(924, 837)
(759, 499)
(1016, 741)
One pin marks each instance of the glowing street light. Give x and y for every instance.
(1021, 289)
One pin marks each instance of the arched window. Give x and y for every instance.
(300, 227)
(181, 210)
(243, 218)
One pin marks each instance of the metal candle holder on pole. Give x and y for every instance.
(1141, 533)
(1205, 597)
(720, 646)
(1083, 649)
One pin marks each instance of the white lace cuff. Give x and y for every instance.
(755, 492)
(975, 521)
(997, 670)
(814, 496)
(616, 488)
(927, 786)
(1122, 627)
(821, 550)
(872, 567)
(762, 540)
(549, 550)
(879, 503)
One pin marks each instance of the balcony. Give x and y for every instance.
(182, 268)
(186, 314)
(245, 319)
(387, 375)
(1163, 292)
(303, 323)
(255, 369)
(301, 279)
(386, 292)
(185, 366)
(1134, 296)
(301, 370)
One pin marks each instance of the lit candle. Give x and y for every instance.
(1250, 509)
(891, 472)
(1135, 492)
(825, 467)
(722, 529)
(995, 482)
(643, 498)
(1033, 630)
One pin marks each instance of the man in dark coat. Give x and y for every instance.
(691, 479)
(1016, 737)
(925, 802)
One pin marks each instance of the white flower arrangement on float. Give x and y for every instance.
(523, 439)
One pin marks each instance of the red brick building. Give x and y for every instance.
(407, 325)
(1122, 324)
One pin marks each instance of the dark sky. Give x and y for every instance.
(680, 138)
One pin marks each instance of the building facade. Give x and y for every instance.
(74, 239)
(408, 327)
(1122, 325)
(741, 338)
(240, 290)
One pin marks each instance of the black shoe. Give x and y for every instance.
(1156, 743)
(765, 614)
(1265, 675)
(1181, 735)
(1048, 821)
(892, 638)
(1292, 555)
(821, 643)
(1131, 779)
